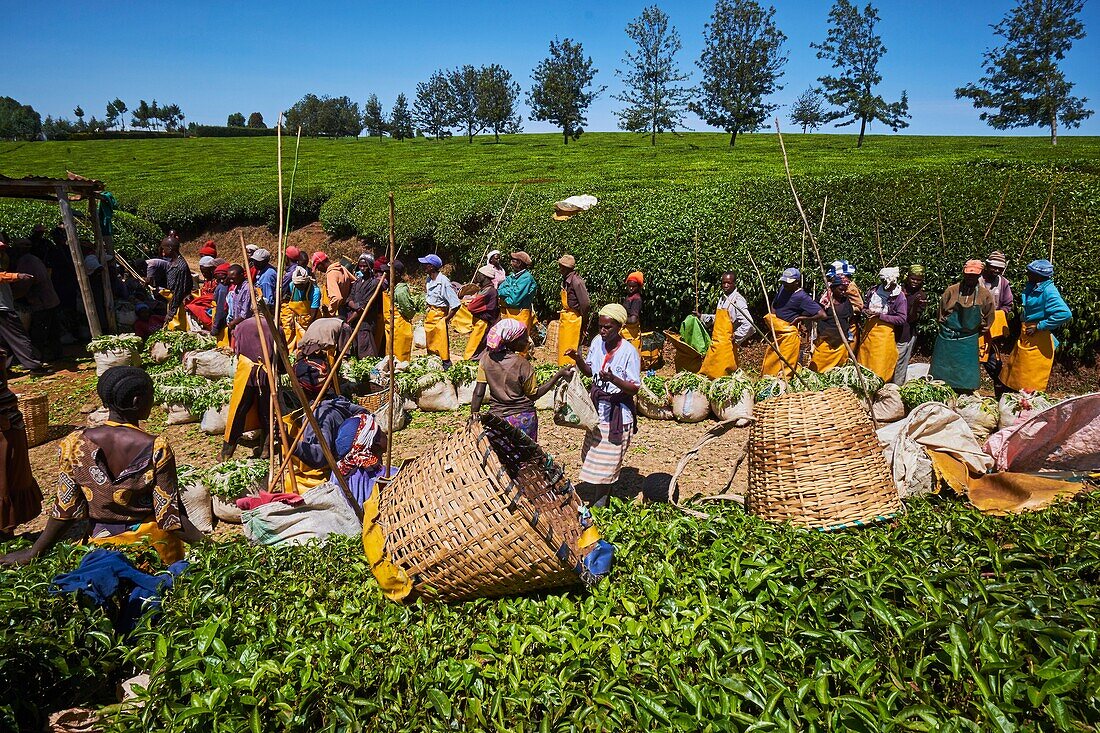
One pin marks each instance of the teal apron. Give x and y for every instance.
(955, 357)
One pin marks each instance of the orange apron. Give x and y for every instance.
(569, 330)
(721, 358)
(789, 344)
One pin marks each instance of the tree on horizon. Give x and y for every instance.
(855, 50)
(654, 100)
(497, 96)
(562, 92)
(742, 62)
(433, 110)
(1024, 84)
(401, 124)
(235, 120)
(374, 119)
(808, 111)
(256, 121)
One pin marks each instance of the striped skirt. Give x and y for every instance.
(601, 460)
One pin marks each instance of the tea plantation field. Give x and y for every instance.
(691, 198)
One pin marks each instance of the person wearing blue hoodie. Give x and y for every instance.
(1044, 311)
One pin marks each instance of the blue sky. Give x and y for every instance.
(216, 58)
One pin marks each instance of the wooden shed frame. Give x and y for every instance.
(65, 191)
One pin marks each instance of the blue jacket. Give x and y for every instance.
(1043, 306)
(330, 414)
(517, 291)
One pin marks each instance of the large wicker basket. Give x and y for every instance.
(551, 341)
(814, 460)
(36, 416)
(374, 400)
(485, 513)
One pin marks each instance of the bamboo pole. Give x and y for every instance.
(273, 395)
(821, 263)
(275, 412)
(907, 243)
(878, 243)
(86, 297)
(496, 227)
(997, 211)
(293, 175)
(102, 252)
(331, 376)
(821, 225)
(939, 217)
(390, 341)
(1050, 257)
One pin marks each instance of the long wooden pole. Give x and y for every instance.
(1053, 208)
(332, 374)
(499, 222)
(275, 412)
(86, 297)
(907, 243)
(824, 206)
(103, 252)
(997, 211)
(293, 175)
(390, 341)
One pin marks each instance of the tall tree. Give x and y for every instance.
(235, 120)
(116, 113)
(18, 121)
(433, 110)
(808, 111)
(742, 62)
(256, 121)
(79, 114)
(562, 92)
(172, 117)
(1024, 83)
(401, 124)
(655, 101)
(306, 113)
(142, 115)
(497, 95)
(374, 119)
(463, 84)
(855, 50)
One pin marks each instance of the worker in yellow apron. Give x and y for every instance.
(399, 338)
(731, 325)
(302, 304)
(632, 329)
(792, 305)
(574, 309)
(443, 302)
(484, 309)
(517, 292)
(885, 309)
(1028, 365)
(830, 348)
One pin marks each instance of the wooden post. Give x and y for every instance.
(102, 253)
(78, 262)
(390, 343)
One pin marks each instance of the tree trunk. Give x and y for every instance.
(733, 137)
(565, 133)
(496, 135)
(862, 130)
(1054, 128)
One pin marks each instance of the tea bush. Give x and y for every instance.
(944, 620)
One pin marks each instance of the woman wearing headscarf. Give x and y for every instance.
(574, 308)
(201, 306)
(966, 309)
(119, 478)
(20, 497)
(300, 307)
(493, 262)
(364, 294)
(1028, 365)
(361, 447)
(510, 378)
(399, 339)
(632, 329)
(833, 331)
(615, 367)
(998, 286)
(885, 311)
(485, 310)
(308, 462)
(442, 304)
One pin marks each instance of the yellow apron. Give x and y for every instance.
(403, 340)
(878, 348)
(223, 340)
(299, 477)
(393, 581)
(179, 321)
(294, 320)
(721, 358)
(569, 330)
(1028, 366)
(168, 546)
(524, 316)
(435, 332)
(632, 332)
(789, 344)
(240, 381)
(998, 329)
(826, 357)
(477, 335)
(463, 322)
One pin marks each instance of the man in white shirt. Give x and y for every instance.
(735, 304)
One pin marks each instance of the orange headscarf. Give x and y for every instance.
(637, 277)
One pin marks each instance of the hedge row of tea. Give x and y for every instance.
(945, 620)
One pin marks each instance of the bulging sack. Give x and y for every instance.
(1016, 407)
(691, 406)
(214, 420)
(227, 511)
(104, 360)
(652, 406)
(725, 410)
(573, 407)
(324, 511)
(199, 505)
(888, 406)
(440, 397)
(400, 416)
(420, 336)
(211, 364)
(180, 415)
(465, 392)
(159, 352)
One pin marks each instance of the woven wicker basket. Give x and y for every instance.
(817, 472)
(36, 416)
(374, 400)
(483, 514)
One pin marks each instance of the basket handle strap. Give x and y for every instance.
(712, 434)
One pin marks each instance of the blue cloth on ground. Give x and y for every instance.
(103, 574)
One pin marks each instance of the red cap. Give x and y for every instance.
(293, 253)
(209, 249)
(222, 268)
(318, 258)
